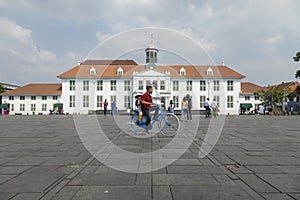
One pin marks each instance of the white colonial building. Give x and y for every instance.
(84, 88)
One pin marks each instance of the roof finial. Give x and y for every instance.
(151, 38)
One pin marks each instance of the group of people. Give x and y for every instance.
(211, 108)
(114, 109)
(186, 108)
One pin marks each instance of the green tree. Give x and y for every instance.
(297, 57)
(273, 97)
(2, 89)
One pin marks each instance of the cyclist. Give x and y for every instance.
(146, 104)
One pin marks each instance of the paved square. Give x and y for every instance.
(256, 157)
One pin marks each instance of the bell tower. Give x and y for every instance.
(151, 54)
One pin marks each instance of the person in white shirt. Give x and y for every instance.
(207, 108)
(184, 109)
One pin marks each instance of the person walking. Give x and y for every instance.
(214, 106)
(190, 106)
(105, 104)
(113, 107)
(207, 108)
(138, 104)
(171, 107)
(184, 109)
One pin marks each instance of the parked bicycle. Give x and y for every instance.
(168, 123)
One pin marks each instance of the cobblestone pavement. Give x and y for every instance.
(256, 157)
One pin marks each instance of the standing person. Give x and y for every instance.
(190, 106)
(138, 104)
(113, 107)
(184, 108)
(207, 108)
(214, 106)
(105, 104)
(171, 107)
(146, 104)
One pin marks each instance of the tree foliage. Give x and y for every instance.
(297, 75)
(2, 89)
(297, 57)
(273, 96)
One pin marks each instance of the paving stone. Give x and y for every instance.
(264, 169)
(187, 162)
(225, 160)
(28, 161)
(4, 178)
(209, 193)
(67, 193)
(256, 183)
(7, 195)
(27, 196)
(116, 192)
(283, 182)
(184, 179)
(162, 192)
(13, 169)
(250, 160)
(276, 196)
(194, 170)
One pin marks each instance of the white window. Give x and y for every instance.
(22, 107)
(44, 107)
(72, 101)
(44, 98)
(141, 85)
(176, 101)
(216, 85)
(33, 98)
(247, 98)
(148, 82)
(85, 101)
(256, 97)
(113, 85)
(22, 98)
(92, 71)
(202, 86)
(217, 100)
(162, 85)
(12, 107)
(126, 101)
(99, 85)
(120, 71)
(11, 98)
(229, 85)
(113, 98)
(229, 101)
(33, 107)
(202, 101)
(54, 97)
(182, 72)
(127, 85)
(86, 85)
(175, 85)
(99, 101)
(72, 85)
(209, 72)
(189, 85)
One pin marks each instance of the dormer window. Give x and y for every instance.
(120, 71)
(209, 72)
(182, 72)
(92, 71)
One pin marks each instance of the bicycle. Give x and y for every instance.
(168, 123)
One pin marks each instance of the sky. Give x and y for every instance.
(41, 39)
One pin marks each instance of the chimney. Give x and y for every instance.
(223, 63)
(78, 63)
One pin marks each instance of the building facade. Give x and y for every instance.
(85, 87)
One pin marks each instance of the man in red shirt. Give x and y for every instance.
(146, 104)
(105, 104)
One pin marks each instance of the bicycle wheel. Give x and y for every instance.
(135, 128)
(169, 125)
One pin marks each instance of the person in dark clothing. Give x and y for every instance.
(146, 104)
(105, 104)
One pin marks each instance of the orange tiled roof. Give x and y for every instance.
(36, 89)
(249, 88)
(110, 71)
